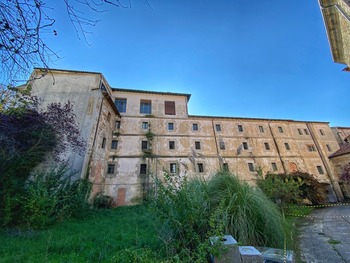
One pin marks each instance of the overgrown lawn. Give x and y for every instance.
(104, 236)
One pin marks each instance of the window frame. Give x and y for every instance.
(111, 169)
(329, 148)
(300, 131)
(117, 125)
(280, 129)
(195, 127)
(103, 145)
(306, 131)
(197, 145)
(171, 145)
(240, 128)
(145, 106)
(143, 168)
(114, 144)
(320, 169)
(287, 146)
(170, 126)
(200, 167)
(121, 104)
(145, 125)
(322, 132)
(251, 167)
(169, 107)
(144, 145)
(267, 146)
(173, 168)
(261, 129)
(245, 145)
(218, 127)
(274, 166)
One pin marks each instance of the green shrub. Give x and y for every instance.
(249, 216)
(280, 190)
(52, 196)
(102, 201)
(187, 220)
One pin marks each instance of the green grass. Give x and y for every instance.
(104, 236)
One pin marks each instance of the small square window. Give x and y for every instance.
(171, 145)
(197, 145)
(261, 128)
(274, 166)
(110, 168)
(114, 144)
(145, 125)
(321, 132)
(251, 167)
(245, 145)
(329, 148)
(320, 169)
(170, 126)
(280, 129)
(287, 146)
(144, 145)
(240, 128)
(306, 131)
(173, 168)
(225, 167)
(146, 106)
(300, 132)
(222, 145)
(218, 127)
(120, 104)
(143, 168)
(200, 167)
(103, 143)
(117, 124)
(311, 148)
(267, 146)
(195, 126)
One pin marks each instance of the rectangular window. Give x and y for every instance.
(144, 145)
(274, 166)
(110, 168)
(311, 148)
(251, 167)
(195, 126)
(103, 143)
(170, 126)
(321, 132)
(320, 169)
(240, 128)
(171, 145)
(225, 167)
(261, 128)
(245, 145)
(329, 148)
(197, 145)
(145, 125)
(218, 127)
(267, 146)
(200, 167)
(146, 106)
(287, 146)
(143, 168)
(169, 107)
(108, 116)
(300, 132)
(120, 104)
(117, 124)
(114, 144)
(222, 145)
(173, 169)
(280, 129)
(306, 131)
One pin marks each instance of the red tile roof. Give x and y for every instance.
(344, 149)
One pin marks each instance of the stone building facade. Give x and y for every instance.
(336, 16)
(133, 136)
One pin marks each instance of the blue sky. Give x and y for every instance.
(256, 59)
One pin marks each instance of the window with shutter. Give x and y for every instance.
(169, 107)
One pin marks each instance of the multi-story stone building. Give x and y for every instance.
(133, 136)
(336, 16)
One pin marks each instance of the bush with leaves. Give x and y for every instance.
(249, 216)
(187, 219)
(52, 196)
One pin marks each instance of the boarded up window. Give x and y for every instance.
(169, 107)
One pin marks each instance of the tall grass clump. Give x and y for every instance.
(187, 220)
(248, 215)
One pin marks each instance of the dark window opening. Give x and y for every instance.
(197, 145)
(169, 107)
(143, 168)
(240, 128)
(103, 143)
(171, 145)
(114, 144)
(120, 104)
(218, 127)
(251, 167)
(200, 167)
(110, 168)
(145, 106)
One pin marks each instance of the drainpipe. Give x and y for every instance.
(278, 150)
(334, 184)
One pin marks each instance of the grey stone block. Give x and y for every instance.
(250, 254)
(277, 255)
(232, 254)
